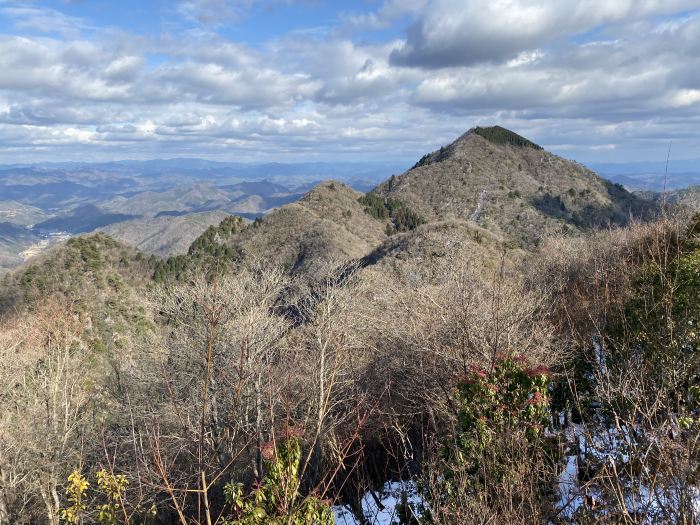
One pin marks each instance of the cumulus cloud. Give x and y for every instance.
(635, 77)
(589, 78)
(465, 32)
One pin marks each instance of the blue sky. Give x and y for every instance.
(299, 80)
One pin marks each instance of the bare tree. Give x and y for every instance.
(47, 397)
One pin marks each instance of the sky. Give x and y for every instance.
(370, 80)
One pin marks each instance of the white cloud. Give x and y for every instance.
(465, 32)
(43, 20)
(331, 93)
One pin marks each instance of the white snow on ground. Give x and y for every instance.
(610, 446)
(570, 498)
(384, 514)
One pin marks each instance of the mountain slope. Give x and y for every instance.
(177, 199)
(18, 213)
(13, 240)
(165, 235)
(86, 269)
(327, 226)
(511, 186)
(81, 220)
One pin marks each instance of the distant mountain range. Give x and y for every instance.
(651, 176)
(39, 201)
(157, 172)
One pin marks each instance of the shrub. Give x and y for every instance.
(500, 462)
(509, 398)
(76, 491)
(276, 500)
(112, 490)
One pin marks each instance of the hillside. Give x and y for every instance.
(165, 235)
(173, 200)
(433, 246)
(99, 281)
(328, 225)
(14, 240)
(688, 198)
(18, 213)
(85, 269)
(511, 186)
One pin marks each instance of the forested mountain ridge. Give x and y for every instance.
(80, 270)
(327, 226)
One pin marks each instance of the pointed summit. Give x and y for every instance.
(494, 134)
(511, 186)
(499, 135)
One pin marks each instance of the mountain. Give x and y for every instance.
(652, 176)
(326, 227)
(185, 198)
(687, 198)
(92, 270)
(164, 235)
(22, 214)
(82, 219)
(489, 178)
(490, 189)
(511, 186)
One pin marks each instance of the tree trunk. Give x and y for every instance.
(47, 495)
(4, 512)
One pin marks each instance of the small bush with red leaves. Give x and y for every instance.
(511, 397)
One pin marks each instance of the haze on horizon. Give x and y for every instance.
(307, 80)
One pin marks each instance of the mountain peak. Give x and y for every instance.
(497, 135)
(501, 135)
(511, 186)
